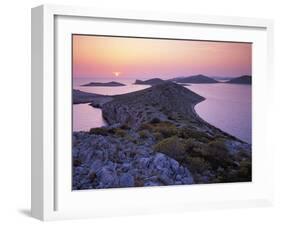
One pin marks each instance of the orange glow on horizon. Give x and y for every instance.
(96, 56)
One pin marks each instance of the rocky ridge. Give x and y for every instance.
(154, 137)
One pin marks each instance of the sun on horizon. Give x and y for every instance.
(94, 56)
(116, 73)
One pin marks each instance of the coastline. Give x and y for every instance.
(97, 100)
(159, 122)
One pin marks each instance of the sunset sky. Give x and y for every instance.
(100, 56)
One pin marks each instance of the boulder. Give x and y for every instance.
(96, 165)
(107, 178)
(126, 180)
(160, 161)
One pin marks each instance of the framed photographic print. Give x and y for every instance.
(139, 112)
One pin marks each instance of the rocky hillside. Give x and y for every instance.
(117, 159)
(196, 79)
(162, 101)
(154, 137)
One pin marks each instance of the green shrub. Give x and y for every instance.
(120, 132)
(232, 174)
(197, 164)
(167, 129)
(217, 154)
(173, 146)
(193, 133)
(99, 131)
(146, 126)
(191, 144)
(245, 170)
(166, 132)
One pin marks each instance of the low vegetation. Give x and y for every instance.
(173, 146)
(99, 131)
(166, 129)
(186, 132)
(120, 132)
(204, 155)
(210, 158)
(141, 126)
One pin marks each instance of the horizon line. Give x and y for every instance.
(176, 76)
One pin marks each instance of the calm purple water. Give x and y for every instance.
(227, 106)
(108, 90)
(86, 117)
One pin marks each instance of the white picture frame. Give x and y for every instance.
(52, 199)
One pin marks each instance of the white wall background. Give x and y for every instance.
(15, 111)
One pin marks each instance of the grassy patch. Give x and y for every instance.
(146, 126)
(192, 133)
(166, 129)
(217, 154)
(99, 131)
(197, 164)
(212, 157)
(120, 132)
(173, 146)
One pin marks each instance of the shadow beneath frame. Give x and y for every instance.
(26, 212)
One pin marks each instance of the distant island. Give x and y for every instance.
(107, 84)
(155, 81)
(152, 82)
(221, 78)
(154, 137)
(245, 79)
(196, 79)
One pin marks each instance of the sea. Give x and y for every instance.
(226, 106)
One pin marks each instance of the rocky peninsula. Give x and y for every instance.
(80, 97)
(154, 137)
